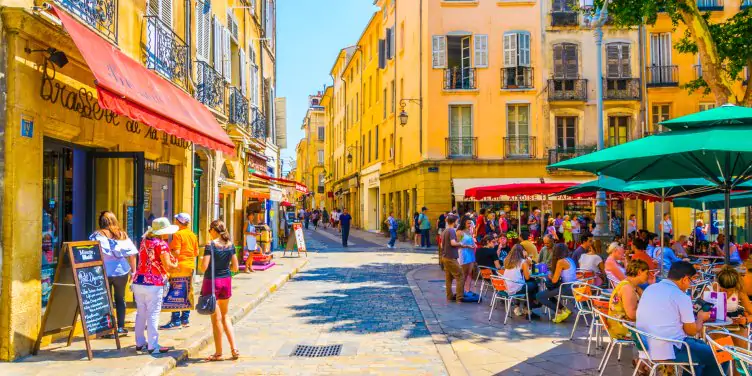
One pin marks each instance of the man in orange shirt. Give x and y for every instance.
(184, 247)
(639, 247)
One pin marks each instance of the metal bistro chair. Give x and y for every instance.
(484, 275)
(639, 338)
(607, 321)
(582, 276)
(724, 351)
(499, 284)
(583, 293)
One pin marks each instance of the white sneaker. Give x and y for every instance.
(518, 311)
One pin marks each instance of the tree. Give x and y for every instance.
(725, 48)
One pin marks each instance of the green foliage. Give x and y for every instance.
(401, 227)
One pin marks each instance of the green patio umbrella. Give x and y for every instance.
(721, 154)
(728, 114)
(604, 183)
(715, 201)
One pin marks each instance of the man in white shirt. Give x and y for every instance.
(665, 310)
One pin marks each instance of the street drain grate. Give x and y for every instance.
(308, 351)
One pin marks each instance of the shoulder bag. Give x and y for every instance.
(208, 303)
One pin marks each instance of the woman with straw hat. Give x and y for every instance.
(149, 280)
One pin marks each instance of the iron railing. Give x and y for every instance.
(258, 125)
(557, 155)
(567, 89)
(165, 52)
(101, 15)
(564, 18)
(663, 75)
(519, 147)
(237, 107)
(461, 147)
(621, 89)
(456, 78)
(709, 5)
(517, 78)
(210, 87)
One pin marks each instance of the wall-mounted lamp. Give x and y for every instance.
(403, 114)
(56, 56)
(349, 154)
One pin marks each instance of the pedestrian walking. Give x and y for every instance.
(325, 218)
(391, 224)
(217, 264)
(416, 229)
(425, 228)
(449, 255)
(335, 219)
(184, 247)
(119, 256)
(315, 218)
(250, 245)
(148, 285)
(307, 218)
(344, 225)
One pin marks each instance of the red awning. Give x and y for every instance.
(286, 204)
(127, 88)
(519, 189)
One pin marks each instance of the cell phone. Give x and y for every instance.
(706, 307)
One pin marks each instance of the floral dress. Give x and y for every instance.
(150, 270)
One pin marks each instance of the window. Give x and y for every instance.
(516, 49)
(382, 54)
(565, 132)
(376, 149)
(370, 95)
(460, 130)
(402, 35)
(480, 44)
(562, 6)
(357, 106)
(362, 149)
(660, 71)
(321, 183)
(384, 103)
(400, 150)
(163, 10)
(707, 106)
(618, 62)
(321, 133)
(566, 61)
(232, 25)
(661, 112)
(389, 43)
(438, 47)
(369, 146)
(394, 94)
(383, 147)
(320, 158)
(618, 130)
(518, 129)
(203, 33)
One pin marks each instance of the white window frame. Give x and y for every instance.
(203, 33)
(480, 46)
(439, 53)
(516, 49)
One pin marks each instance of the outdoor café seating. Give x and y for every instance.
(484, 276)
(728, 357)
(603, 319)
(640, 340)
(499, 284)
(585, 296)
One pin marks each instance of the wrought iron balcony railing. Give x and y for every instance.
(210, 87)
(663, 75)
(461, 147)
(456, 78)
(567, 89)
(165, 52)
(237, 107)
(517, 78)
(621, 89)
(557, 155)
(519, 147)
(258, 125)
(564, 18)
(709, 5)
(101, 15)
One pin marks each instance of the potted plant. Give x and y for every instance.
(384, 229)
(401, 230)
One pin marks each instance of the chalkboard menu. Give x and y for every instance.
(129, 212)
(80, 278)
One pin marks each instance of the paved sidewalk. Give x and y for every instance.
(249, 290)
(480, 347)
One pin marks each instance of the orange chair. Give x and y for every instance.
(484, 276)
(499, 285)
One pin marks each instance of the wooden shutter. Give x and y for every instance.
(242, 65)
(165, 12)
(439, 51)
(382, 54)
(203, 33)
(227, 69)
(612, 60)
(217, 45)
(480, 43)
(571, 61)
(153, 7)
(625, 58)
(510, 50)
(280, 119)
(389, 43)
(523, 46)
(558, 61)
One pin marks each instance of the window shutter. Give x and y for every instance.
(254, 85)
(571, 61)
(439, 51)
(227, 70)
(199, 31)
(612, 60)
(626, 61)
(242, 65)
(382, 54)
(558, 61)
(165, 12)
(523, 45)
(480, 43)
(153, 7)
(217, 45)
(389, 43)
(510, 49)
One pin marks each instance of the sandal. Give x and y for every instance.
(235, 354)
(214, 358)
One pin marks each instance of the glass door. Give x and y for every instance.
(117, 185)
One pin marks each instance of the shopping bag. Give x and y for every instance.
(718, 300)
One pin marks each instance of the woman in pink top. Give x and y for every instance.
(616, 263)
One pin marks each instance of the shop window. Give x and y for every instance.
(618, 130)
(159, 190)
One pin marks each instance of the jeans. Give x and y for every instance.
(453, 271)
(345, 235)
(548, 297)
(148, 304)
(306, 224)
(702, 354)
(117, 284)
(425, 238)
(180, 317)
(392, 237)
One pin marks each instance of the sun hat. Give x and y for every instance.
(162, 226)
(183, 218)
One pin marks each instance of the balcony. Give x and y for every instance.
(519, 147)
(567, 89)
(516, 78)
(557, 155)
(456, 78)
(621, 89)
(461, 147)
(165, 53)
(100, 15)
(258, 125)
(210, 87)
(663, 76)
(564, 18)
(710, 5)
(237, 107)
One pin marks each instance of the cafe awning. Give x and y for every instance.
(461, 185)
(127, 88)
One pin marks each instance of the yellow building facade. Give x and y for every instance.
(65, 159)
(310, 155)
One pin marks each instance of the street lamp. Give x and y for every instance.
(349, 153)
(403, 113)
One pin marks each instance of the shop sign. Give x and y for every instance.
(27, 127)
(86, 104)
(275, 195)
(353, 182)
(301, 188)
(373, 181)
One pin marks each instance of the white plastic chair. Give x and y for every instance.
(499, 284)
(639, 337)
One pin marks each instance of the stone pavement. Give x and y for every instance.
(518, 348)
(358, 297)
(249, 290)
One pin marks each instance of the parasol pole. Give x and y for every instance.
(519, 218)
(726, 224)
(663, 198)
(694, 233)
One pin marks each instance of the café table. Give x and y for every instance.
(715, 324)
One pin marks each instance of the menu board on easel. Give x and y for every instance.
(299, 237)
(81, 279)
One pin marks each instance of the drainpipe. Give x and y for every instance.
(394, 93)
(420, 89)
(643, 84)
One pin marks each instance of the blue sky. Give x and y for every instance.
(309, 36)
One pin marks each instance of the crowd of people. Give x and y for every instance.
(339, 219)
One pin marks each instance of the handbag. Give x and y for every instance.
(208, 303)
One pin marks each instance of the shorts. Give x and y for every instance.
(222, 287)
(336, 223)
